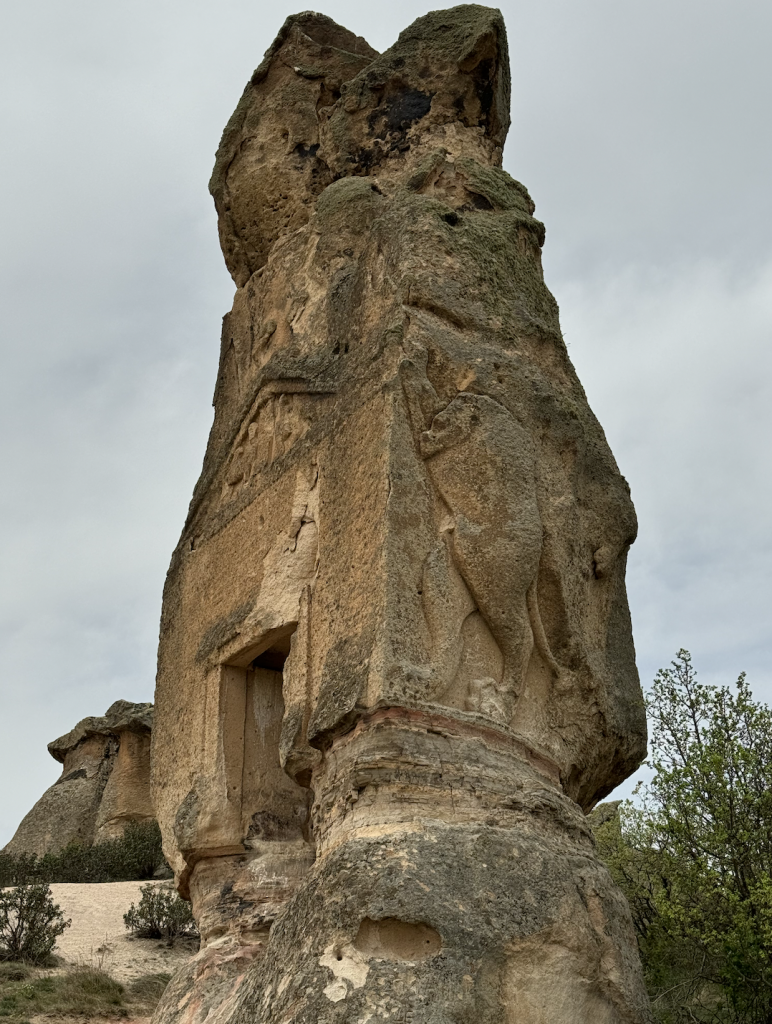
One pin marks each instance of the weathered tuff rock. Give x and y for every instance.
(105, 783)
(396, 664)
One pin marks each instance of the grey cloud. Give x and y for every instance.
(640, 131)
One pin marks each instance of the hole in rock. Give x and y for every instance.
(478, 202)
(392, 939)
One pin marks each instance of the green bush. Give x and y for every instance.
(693, 854)
(134, 856)
(30, 923)
(161, 914)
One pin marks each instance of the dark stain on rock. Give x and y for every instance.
(306, 152)
(267, 826)
(483, 77)
(400, 111)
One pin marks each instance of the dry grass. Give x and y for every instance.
(145, 993)
(84, 991)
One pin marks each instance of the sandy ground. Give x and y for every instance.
(97, 936)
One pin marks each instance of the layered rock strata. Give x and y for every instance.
(396, 664)
(105, 783)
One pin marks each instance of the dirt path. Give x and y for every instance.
(98, 938)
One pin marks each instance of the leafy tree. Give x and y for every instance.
(694, 854)
(30, 923)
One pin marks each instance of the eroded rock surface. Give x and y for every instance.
(105, 783)
(396, 664)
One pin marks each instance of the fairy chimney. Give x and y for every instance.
(396, 665)
(105, 783)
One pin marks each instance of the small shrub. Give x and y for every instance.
(30, 923)
(161, 914)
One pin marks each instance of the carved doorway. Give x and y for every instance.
(273, 806)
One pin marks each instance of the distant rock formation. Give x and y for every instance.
(105, 783)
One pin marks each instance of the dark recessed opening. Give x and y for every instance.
(275, 656)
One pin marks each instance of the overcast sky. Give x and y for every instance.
(641, 128)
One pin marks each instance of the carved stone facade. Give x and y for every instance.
(105, 783)
(396, 663)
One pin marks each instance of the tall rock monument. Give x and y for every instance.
(396, 664)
